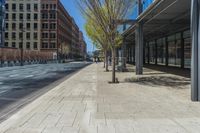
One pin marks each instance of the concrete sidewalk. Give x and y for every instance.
(85, 103)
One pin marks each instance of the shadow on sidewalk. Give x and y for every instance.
(155, 81)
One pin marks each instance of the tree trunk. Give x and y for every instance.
(113, 65)
(106, 59)
(104, 63)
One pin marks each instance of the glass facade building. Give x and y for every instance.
(2, 14)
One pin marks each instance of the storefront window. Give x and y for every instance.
(187, 49)
(152, 52)
(174, 48)
(161, 51)
(146, 53)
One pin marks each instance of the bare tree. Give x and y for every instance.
(106, 14)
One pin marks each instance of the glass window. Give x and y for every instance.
(161, 51)
(174, 48)
(35, 7)
(20, 35)
(14, 16)
(35, 16)
(13, 35)
(28, 35)
(152, 52)
(187, 52)
(21, 17)
(35, 26)
(35, 35)
(28, 16)
(35, 45)
(28, 7)
(21, 7)
(13, 26)
(28, 26)
(13, 44)
(13, 6)
(28, 46)
(44, 45)
(6, 6)
(147, 53)
(6, 35)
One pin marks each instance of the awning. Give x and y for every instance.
(163, 17)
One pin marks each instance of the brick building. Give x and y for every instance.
(56, 28)
(82, 45)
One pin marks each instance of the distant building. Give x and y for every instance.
(22, 24)
(2, 16)
(82, 45)
(75, 40)
(42, 25)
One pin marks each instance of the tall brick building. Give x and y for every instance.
(82, 45)
(56, 28)
(75, 40)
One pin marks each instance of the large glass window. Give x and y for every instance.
(152, 52)
(161, 51)
(174, 48)
(147, 53)
(187, 49)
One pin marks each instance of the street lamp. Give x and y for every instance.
(22, 41)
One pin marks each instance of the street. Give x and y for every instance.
(21, 85)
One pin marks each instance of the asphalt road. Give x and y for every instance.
(21, 85)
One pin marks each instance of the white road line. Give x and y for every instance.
(14, 75)
(29, 76)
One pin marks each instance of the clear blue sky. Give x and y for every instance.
(72, 8)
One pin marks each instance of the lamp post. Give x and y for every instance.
(22, 41)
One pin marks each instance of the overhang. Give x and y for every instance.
(163, 17)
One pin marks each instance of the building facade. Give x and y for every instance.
(64, 31)
(75, 47)
(22, 24)
(82, 46)
(2, 22)
(59, 31)
(43, 25)
(49, 36)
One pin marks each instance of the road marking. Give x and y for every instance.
(29, 76)
(15, 75)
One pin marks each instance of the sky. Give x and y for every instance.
(72, 8)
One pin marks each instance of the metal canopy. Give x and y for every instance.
(162, 18)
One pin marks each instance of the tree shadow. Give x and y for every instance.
(155, 81)
(171, 70)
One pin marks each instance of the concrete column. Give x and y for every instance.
(139, 48)
(195, 67)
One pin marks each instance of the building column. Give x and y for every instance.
(139, 48)
(195, 67)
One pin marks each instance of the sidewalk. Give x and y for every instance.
(85, 103)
